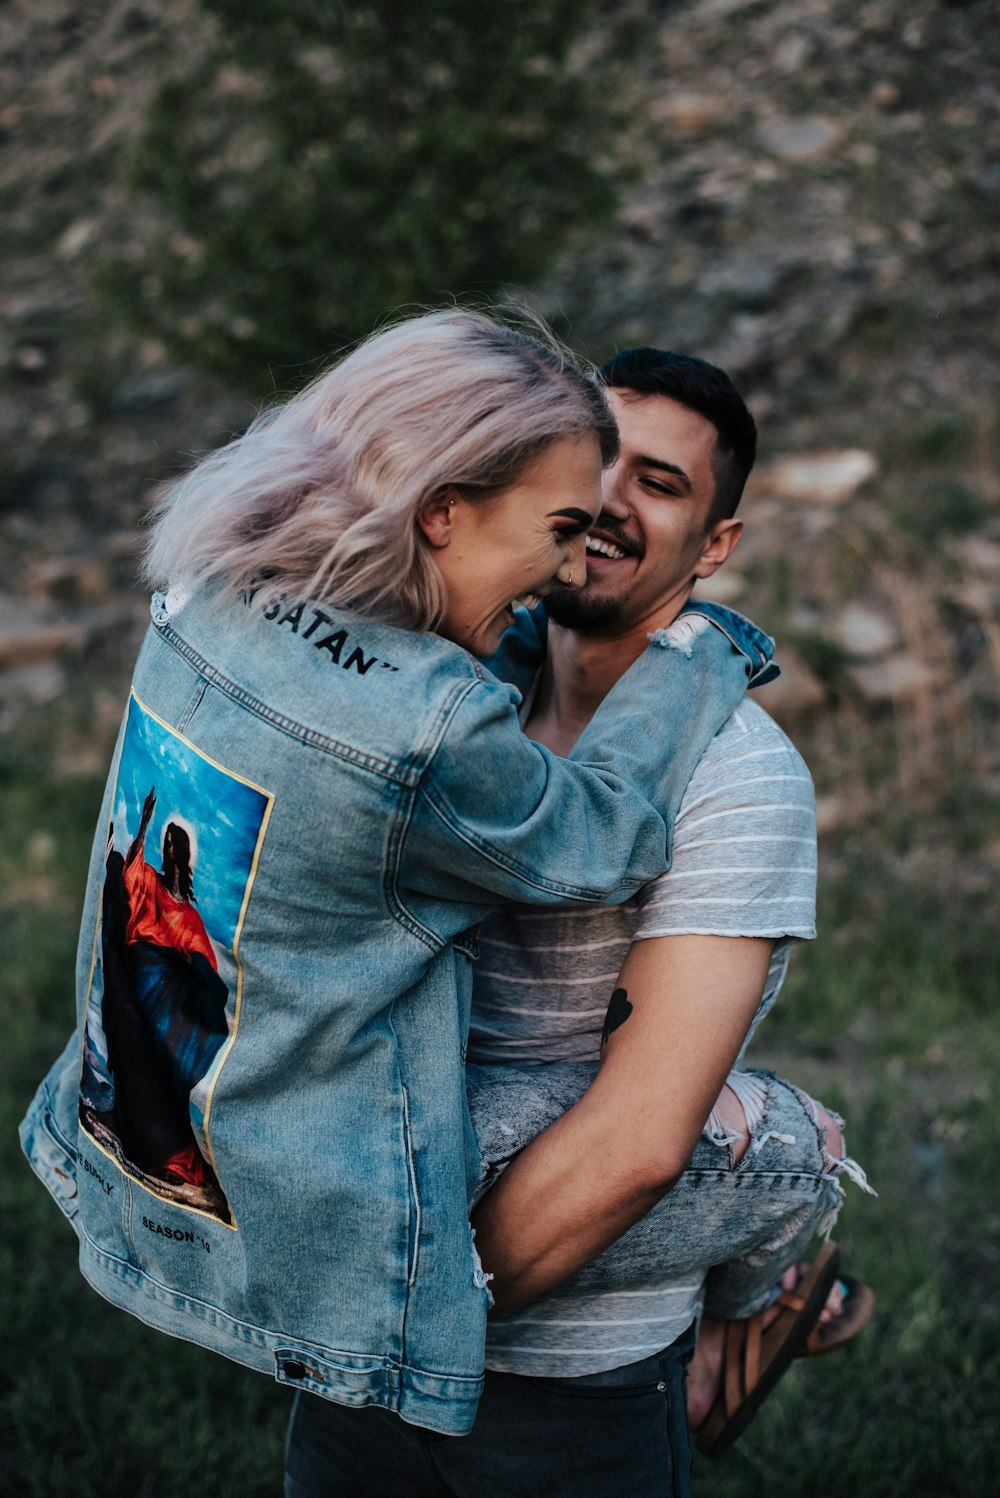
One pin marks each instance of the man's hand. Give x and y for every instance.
(675, 1025)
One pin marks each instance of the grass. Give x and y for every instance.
(910, 1409)
(888, 1018)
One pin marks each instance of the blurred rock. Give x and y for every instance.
(884, 95)
(864, 632)
(792, 52)
(80, 762)
(41, 850)
(68, 580)
(797, 691)
(146, 391)
(977, 554)
(24, 644)
(750, 280)
(820, 478)
(832, 812)
(76, 238)
(801, 141)
(975, 596)
(987, 183)
(894, 679)
(32, 359)
(689, 113)
(36, 684)
(123, 544)
(745, 345)
(643, 221)
(45, 485)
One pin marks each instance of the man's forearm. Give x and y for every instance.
(675, 1026)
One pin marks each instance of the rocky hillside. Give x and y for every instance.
(814, 202)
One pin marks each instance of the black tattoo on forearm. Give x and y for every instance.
(618, 1012)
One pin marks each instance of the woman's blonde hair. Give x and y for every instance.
(319, 498)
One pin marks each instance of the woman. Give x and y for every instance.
(357, 795)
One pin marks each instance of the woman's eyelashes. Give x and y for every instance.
(574, 522)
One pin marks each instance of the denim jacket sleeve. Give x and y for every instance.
(501, 814)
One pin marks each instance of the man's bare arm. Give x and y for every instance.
(674, 1028)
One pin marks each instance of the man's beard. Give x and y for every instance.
(573, 609)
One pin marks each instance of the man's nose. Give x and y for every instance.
(613, 494)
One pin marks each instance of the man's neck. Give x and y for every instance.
(579, 671)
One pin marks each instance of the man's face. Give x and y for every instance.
(652, 538)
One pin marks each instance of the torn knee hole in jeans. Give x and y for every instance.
(736, 1124)
(829, 1131)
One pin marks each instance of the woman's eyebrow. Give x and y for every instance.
(582, 517)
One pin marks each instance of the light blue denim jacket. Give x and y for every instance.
(357, 798)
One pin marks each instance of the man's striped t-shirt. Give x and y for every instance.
(744, 864)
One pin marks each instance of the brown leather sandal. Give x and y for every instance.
(852, 1318)
(754, 1358)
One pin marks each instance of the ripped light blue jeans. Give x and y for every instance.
(741, 1223)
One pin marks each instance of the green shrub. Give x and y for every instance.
(319, 164)
(944, 506)
(943, 437)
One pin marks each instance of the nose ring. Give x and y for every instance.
(569, 579)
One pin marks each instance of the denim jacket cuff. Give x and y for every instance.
(743, 635)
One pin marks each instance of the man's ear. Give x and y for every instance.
(436, 518)
(719, 545)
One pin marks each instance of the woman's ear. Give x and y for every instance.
(437, 517)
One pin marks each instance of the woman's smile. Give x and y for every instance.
(509, 550)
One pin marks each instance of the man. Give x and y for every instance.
(585, 1388)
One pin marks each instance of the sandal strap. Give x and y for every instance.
(733, 1367)
(814, 1343)
(742, 1359)
(751, 1353)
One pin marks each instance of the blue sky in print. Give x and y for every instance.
(221, 815)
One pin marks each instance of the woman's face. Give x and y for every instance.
(516, 546)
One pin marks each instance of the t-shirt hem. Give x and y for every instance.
(801, 933)
(568, 1369)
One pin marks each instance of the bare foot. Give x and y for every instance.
(704, 1377)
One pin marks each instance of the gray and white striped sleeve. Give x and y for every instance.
(744, 842)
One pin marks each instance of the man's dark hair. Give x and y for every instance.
(704, 388)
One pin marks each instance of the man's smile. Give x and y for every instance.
(605, 546)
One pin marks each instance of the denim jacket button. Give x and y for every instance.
(295, 1370)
